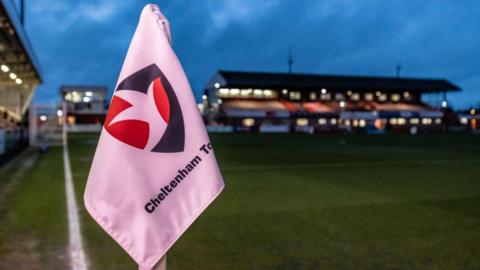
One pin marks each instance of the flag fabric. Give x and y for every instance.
(154, 170)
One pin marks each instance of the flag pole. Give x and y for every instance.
(162, 264)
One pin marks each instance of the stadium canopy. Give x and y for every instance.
(19, 68)
(297, 81)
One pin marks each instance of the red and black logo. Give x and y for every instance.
(136, 132)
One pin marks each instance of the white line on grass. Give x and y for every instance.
(77, 254)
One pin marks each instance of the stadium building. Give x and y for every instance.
(19, 77)
(85, 107)
(283, 102)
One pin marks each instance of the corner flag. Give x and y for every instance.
(154, 169)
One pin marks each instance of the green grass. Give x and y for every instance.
(296, 201)
(33, 221)
(291, 201)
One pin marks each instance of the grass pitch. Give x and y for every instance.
(295, 201)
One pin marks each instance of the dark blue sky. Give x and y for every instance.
(84, 42)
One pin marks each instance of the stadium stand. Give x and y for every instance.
(247, 101)
(19, 76)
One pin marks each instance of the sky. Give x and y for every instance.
(84, 42)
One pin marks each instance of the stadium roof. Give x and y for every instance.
(19, 68)
(83, 88)
(300, 82)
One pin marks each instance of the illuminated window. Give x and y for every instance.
(378, 123)
(395, 97)
(355, 123)
(427, 121)
(294, 95)
(393, 121)
(267, 93)
(464, 121)
(355, 96)
(71, 120)
(414, 121)
(347, 123)
(401, 121)
(382, 97)
(438, 121)
(313, 96)
(378, 93)
(326, 96)
(362, 123)
(258, 93)
(234, 92)
(322, 121)
(368, 96)
(302, 121)
(333, 121)
(223, 92)
(246, 92)
(349, 93)
(406, 94)
(248, 122)
(284, 91)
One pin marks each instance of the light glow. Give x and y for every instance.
(13, 76)
(302, 121)
(5, 68)
(248, 122)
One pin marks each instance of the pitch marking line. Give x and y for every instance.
(77, 254)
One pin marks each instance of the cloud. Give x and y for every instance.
(85, 41)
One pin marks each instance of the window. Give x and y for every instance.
(395, 97)
(368, 96)
(295, 95)
(322, 121)
(302, 121)
(382, 97)
(427, 121)
(326, 96)
(248, 122)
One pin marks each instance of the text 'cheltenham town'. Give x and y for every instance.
(177, 180)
